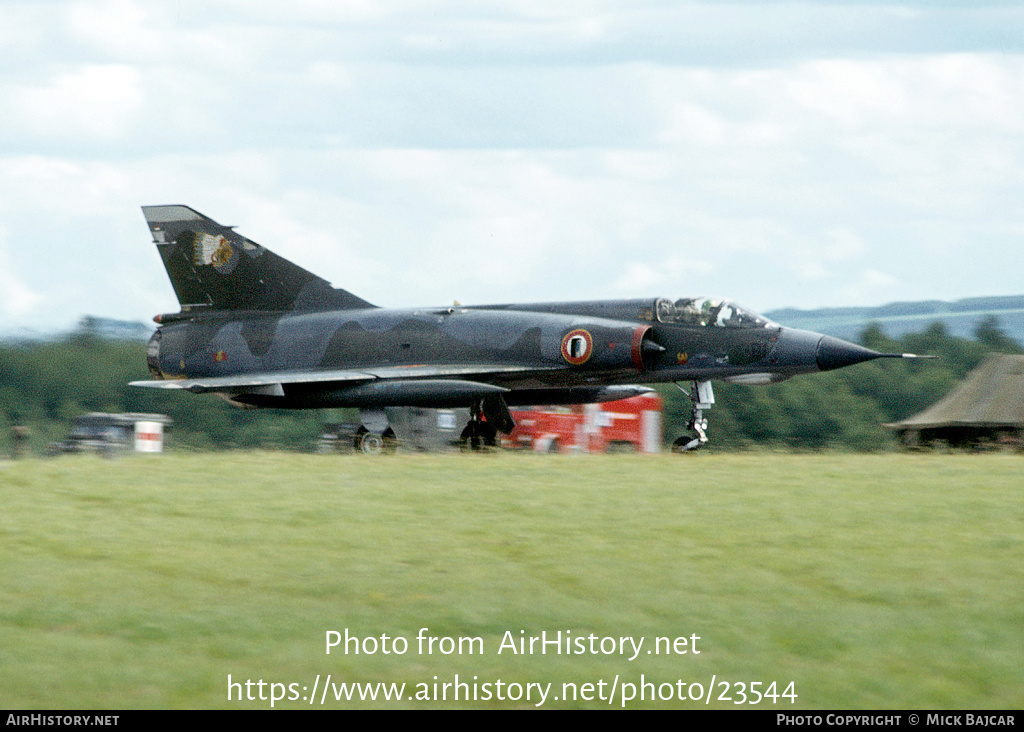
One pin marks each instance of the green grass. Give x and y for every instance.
(869, 581)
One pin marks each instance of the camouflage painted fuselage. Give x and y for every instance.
(427, 343)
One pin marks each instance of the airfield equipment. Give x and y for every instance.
(626, 425)
(110, 434)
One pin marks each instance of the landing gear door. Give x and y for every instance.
(153, 355)
(705, 395)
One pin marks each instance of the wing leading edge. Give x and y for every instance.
(342, 377)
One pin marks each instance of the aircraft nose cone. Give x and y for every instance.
(833, 353)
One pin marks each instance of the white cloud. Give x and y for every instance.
(780, 153)
(17, 300)
(97, 101)
(842, 245)
(674, 277)
(48, 186)
(118, 30)
(872, 285)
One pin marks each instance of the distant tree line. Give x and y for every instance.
(44, 384)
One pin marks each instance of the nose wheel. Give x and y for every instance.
(702, 396)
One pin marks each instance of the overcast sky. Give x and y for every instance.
(793, 153)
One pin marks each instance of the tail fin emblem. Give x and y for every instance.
(216, 251)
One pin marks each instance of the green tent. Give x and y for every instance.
(986, 408)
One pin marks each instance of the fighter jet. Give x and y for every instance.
(261, 331)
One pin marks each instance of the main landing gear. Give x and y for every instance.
(478, 434)
(375, 443)
(375, 436)
(486, 418)
(702, 396)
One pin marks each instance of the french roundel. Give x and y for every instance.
(577, 346)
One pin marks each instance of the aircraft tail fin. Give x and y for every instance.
(212, 267)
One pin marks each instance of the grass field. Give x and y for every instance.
(891, 581)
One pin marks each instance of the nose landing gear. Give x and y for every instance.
(702, 396)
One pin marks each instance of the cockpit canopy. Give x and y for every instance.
(707, 311)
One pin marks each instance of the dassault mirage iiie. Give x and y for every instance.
(263, 332)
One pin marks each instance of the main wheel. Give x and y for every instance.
(478, 436)
(370, 443)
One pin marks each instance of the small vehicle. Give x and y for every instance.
(112, 434)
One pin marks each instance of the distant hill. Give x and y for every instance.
(898, 318)
(118, 330)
